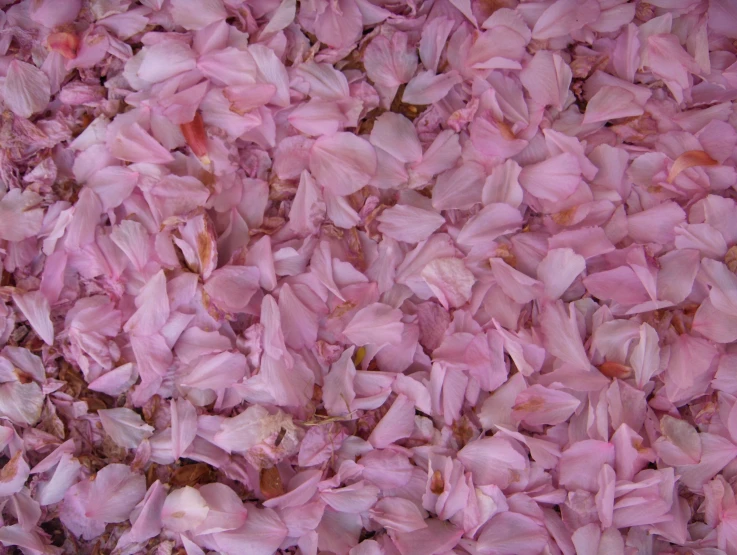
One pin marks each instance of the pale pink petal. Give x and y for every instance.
(397, 423)
(493, 221)
(539, 405)
(611, 103)
(657, 224)
(35, 307)
(184, 510)
(125, 427)
(226, 510)
(230, 288)
(261, 534)
(562, 338)
(116, 381)
(428, 88)
(409, 223)
(183, 426)
(435, 34)
(716, 453)
(390, 62)
(581, 462)
(449, 280)
(564, 17)
(503, 185)
(133, 144)
(511, 533)
(299, 319)
(342, 163)
(438, 536)
(338, 390)
(20, 402)
(51, 14)
(20, 215)
(459, 188)
(356, 498)
(153, 311)
(216, 371)
(376, 324)
(14, 474)
(195, 14)
(166, 59)
(493, 460)
(558, 270)
(554, 179)
(26, 89)
(518, 286)
(440, 156)
(396, 135)
(645, 358)
(547, 78)
(114, 493)
(339, 24)
(398, 514)
(317, 117)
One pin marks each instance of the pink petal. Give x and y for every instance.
(518, 286)
(438, 536)
(148, 522)
(611, 103)
(562, 338)
(554, 179)
(183, 426)
(397, 423)
(510, 533)
(215, 371)
(356, 498)
(493, 221)
(21, 403)
(581, 462)
(558, 270)
(503, 185)
(564, 17)
(396, 135)
(133, 144)
(645, 358)
(193, 14)
(153, 311)
(115, 381)
(51, 14)
(35, 308)
(538, 406)
(231, 287)
(459, 188)
(547, 78)
(226, 510)
(449, 280)
(166, 59)
(184, 510)
(493, 460)
(26, 89)
(342, 163)
(261, 534)
(409, 223)
(20, 215)
(14, 474)
(376, 324)
(428, 88)
(125, 427)
(398, 514)
(390, 62)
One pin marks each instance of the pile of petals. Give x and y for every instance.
(363, 277)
